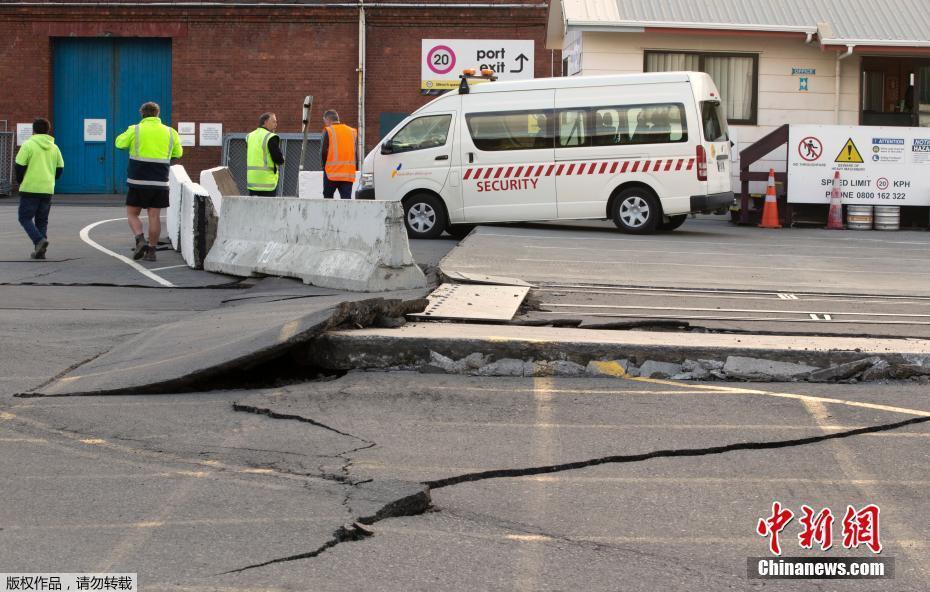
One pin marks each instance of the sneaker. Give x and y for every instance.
(140, 247)
(149, 254)
(41, 247)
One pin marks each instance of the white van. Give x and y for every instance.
(643, 150)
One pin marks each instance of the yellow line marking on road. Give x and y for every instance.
(25, 440)
(6, 416)
(610, 368)
(93, 441)
(151, 524)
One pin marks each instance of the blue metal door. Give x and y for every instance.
(83, 87)
(143, 73)
(106, 79)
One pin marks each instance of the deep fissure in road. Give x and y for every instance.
(395, 508)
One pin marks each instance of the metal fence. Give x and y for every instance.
(234, 157)
(7, 141)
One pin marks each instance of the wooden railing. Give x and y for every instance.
(752, 154)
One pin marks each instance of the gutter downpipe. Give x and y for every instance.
(836, 90)
(360, 149)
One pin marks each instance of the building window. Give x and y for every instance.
(736, 77)
(514, 130)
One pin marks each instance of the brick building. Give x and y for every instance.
(226, 62)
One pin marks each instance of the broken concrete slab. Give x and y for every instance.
(372, 501)
(842, 371)
(183, 355)
(653, 369)
(558, 368)
(742, 368)
(503, 367)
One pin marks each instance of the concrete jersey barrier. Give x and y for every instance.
(219, 183)
(342, 244)
(177, 178)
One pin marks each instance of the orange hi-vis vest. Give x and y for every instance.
(340, 160)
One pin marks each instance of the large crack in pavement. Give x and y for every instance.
(416, 503)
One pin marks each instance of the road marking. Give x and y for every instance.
(288, 330)
(85, 236)
(784, 296)
(728, 268)
(169, 267)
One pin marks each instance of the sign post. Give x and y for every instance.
(442, 60)
(877, 165)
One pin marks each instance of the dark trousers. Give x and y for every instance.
(330, 187)
(263, 193)
(33, 215)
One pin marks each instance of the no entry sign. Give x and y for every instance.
(442, 60)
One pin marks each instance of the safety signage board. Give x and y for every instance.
(442, 60)
(877, 165)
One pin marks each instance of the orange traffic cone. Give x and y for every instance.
(835, 219)
(770, 211)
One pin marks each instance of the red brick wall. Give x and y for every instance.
(229, 66)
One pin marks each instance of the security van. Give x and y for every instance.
(643, 150)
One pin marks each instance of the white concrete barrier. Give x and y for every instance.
(193, 224)
(177, 177)
(310, 185)
(348, 245)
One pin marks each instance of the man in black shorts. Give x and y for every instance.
(152, 146)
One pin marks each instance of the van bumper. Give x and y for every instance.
(711, 203)
(365, 193)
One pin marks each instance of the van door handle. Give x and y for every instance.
(471, 157)
(443, 157)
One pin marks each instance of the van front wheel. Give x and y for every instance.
(424, 216)
(636, 211)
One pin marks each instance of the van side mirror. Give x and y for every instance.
(387, 147)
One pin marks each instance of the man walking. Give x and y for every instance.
(152, 145)
(263, 157)
(338, 155)
(38, 165)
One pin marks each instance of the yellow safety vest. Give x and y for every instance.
(262, 173)
(151, 146)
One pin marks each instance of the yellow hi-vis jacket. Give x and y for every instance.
(151, 146)
(261, 172)
(340, 159)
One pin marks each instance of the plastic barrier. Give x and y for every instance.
(342, 244)
(310, 185)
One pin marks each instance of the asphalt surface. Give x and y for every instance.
(710, 274)
(245, 490)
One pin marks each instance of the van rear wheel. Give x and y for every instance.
(673, 222)
(424, 216)
(636, 211)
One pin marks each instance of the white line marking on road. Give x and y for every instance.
(787, 296)
(85, 236)
(169, 267)
(726, 267)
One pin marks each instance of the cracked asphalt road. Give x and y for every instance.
(252, 490)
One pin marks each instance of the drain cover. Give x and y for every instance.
(474, 302)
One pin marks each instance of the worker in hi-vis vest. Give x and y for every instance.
(263, 157)
(152, 146)
(38, 166)
(338, 156)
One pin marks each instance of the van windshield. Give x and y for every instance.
(715, 127)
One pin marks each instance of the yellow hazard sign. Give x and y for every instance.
(849, 153)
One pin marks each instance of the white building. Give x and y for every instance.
(775, 61)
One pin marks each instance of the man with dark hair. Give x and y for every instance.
(152, 145)
(38, 165)
(263, 157)
(338, 155)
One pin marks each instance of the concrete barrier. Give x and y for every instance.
(177, 177)
(219, 182)
(197, 220)
(310, 185)
(347, 245)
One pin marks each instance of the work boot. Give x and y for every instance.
(140, 247)
(41, 247)
(149, 254)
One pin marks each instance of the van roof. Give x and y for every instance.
(586, 81)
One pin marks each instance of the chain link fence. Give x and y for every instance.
(234, 157)
(7, 141)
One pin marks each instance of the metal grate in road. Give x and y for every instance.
(474, 302)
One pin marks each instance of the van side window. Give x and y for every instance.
(659, 123)
(572, 128)
(514, 130)
(430, 131)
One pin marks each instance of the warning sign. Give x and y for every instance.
(849, 153)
